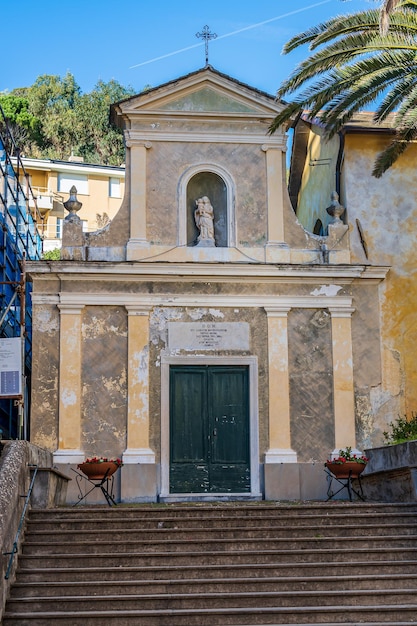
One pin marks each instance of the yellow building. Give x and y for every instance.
(381, 214)
(100, 188)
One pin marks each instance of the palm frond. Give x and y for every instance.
(353, 64)
(388, 156)
(343, 52)
(395, 96)
(407, 113)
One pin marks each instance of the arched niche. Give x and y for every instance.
(318, 228)
(217, 185)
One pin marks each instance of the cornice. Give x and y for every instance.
(146, 136)
(72, 300)
(194, 272)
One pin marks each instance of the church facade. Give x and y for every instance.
(204, 336)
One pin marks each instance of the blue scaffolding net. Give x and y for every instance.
(21, 226)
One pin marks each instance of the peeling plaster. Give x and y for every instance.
(69, 398)
(158, 330)
(45, 321)
(197, 314)
(99, 327)
(115, 384)
(326, 290)
(216, 313)
(141, 365)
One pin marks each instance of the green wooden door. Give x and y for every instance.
(209, 429)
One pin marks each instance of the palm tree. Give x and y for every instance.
(356, 60)
(387, 7)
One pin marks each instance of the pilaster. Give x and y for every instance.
(279, 388)
(137, 179)
(137, 431)
(275, 199)
(69, 416)
(343, 388)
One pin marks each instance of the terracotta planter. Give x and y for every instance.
(97, 471)
(344, 470)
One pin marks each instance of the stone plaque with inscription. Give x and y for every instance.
(208, 335)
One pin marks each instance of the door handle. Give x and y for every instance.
(215, 432)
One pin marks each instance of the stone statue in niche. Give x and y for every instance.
(204, 219)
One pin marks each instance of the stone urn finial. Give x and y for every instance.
(335, 210)
(73, 205)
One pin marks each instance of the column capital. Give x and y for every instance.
(277, 311)
(137, 309)
(136, 142)
(133, 141)
(341, 312)
(70, 309)
(281, 146)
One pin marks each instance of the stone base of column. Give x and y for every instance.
(68, 456)
(138, 455)
(277, 252)
(135, 248)
(138, 483)
(295, 481)
(280, 455)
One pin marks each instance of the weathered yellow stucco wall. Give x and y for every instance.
(387, 210)
(381, 214)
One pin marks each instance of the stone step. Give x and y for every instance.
(239, 544)
(176, 530)
(172, 601)
(304, 571)
(218, 565)
(283, 616)
(379, 511)
(219, 556)
(213, 585)
(169, 512)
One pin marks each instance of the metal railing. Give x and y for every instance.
(22, 519)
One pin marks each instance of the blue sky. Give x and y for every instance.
(99, 39)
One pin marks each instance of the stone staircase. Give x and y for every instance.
(218, 564)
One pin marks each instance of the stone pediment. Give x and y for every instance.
(208, 100)
(203, 92)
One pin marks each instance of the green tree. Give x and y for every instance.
(359, 59)
(99, 142)
(53, 100)
(52, 119)
(24, 126)
(52, 255)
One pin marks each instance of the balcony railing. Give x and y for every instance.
(47, 200)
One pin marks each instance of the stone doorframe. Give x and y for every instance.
(252, 363)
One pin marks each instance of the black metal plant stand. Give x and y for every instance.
(105, 484)
(346, 483)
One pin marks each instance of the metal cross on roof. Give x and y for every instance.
(206, 35)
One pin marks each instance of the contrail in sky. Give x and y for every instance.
(235, 32)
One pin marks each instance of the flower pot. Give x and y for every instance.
(344, 470)
(97, 471)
